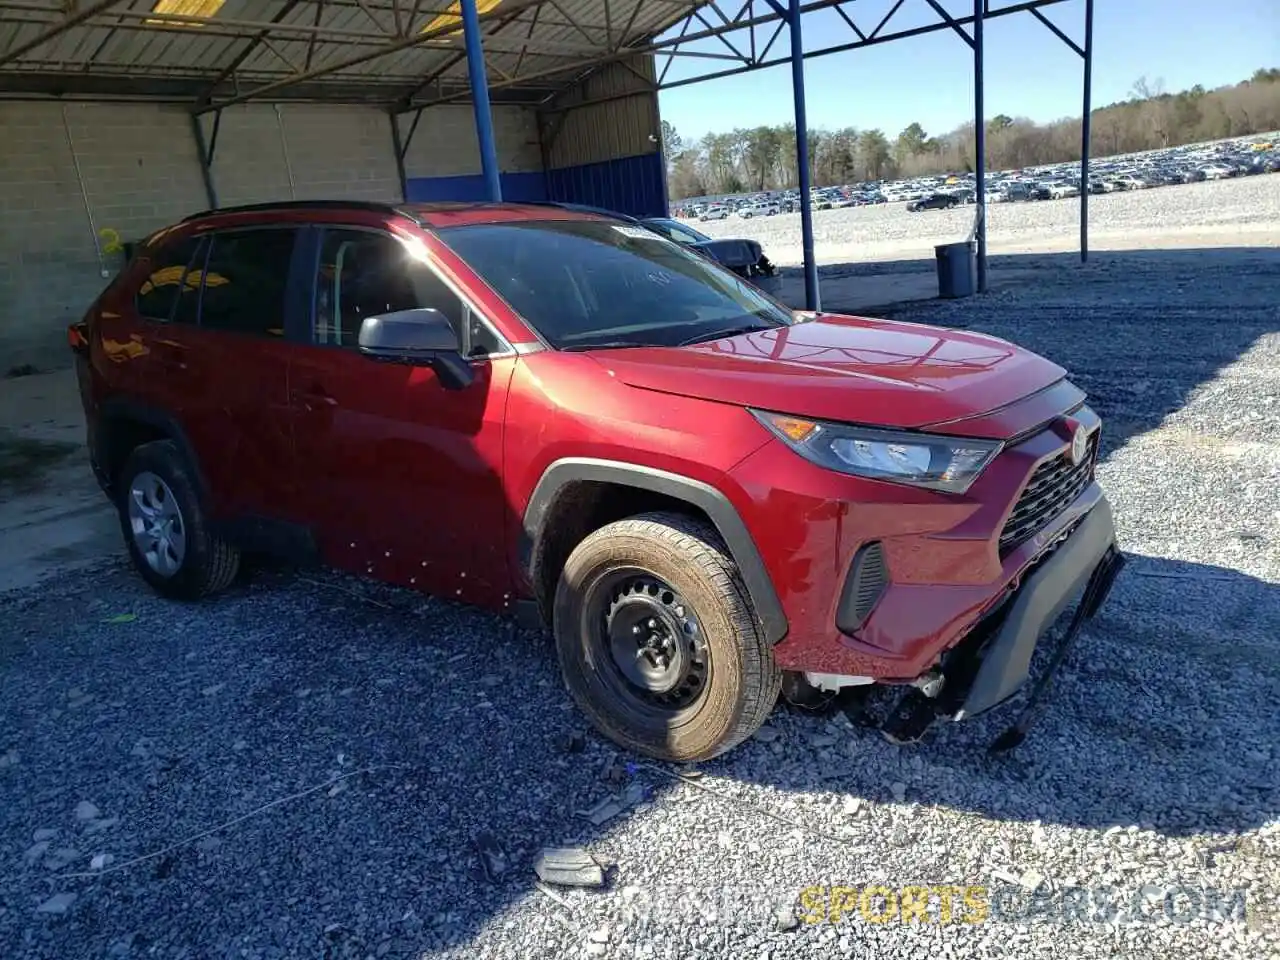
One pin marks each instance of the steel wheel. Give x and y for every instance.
(649, 641)
(156, 523)
(657, 639)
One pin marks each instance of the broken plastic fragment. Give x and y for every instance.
(568, 867)
(571, 742)
(604, 811)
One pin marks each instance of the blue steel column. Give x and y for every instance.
(812, 295)
(1084, 131)
(980, 143)
(480, 98)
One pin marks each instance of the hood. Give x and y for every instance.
(732, 253)
(853, 369)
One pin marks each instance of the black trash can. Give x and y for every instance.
(956, 269)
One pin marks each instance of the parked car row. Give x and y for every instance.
(1175, 165)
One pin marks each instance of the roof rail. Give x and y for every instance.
(369, 205)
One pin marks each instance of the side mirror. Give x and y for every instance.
(421, 337)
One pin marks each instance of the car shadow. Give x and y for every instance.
(457, 769)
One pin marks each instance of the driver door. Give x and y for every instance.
(400, 476)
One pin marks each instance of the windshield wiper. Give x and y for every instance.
(604, 345)
(728, 332)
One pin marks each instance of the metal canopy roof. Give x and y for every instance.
(387, 51)
(409, 53)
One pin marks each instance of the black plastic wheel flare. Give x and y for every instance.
(655, 642)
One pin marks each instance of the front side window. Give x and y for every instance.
(364, 274)
(591, 283)
(167, 272)
(244, 281)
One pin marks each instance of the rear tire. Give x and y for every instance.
(165, 529)
(658, 642)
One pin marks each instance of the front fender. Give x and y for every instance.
(737, 538)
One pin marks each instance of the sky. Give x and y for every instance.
(928, 79)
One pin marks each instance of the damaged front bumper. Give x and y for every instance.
(993, 662)
(1087, 560)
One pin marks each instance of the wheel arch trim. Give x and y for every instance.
(121, 408)
(723, 515)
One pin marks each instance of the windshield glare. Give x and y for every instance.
(586, 282)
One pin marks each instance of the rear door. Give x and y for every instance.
(401, 478)
(224, 358)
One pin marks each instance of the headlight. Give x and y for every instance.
(949, 464)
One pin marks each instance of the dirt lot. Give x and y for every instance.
(302, 767)
(1236, 212)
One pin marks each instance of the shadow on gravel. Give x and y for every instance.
(229, 730)
(1139, 330)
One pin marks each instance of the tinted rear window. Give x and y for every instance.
(166, 269)
(245, 278)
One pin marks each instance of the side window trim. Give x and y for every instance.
(201, 256)
(470, 309)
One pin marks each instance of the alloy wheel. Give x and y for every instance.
(156, 522)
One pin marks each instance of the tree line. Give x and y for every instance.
(764, 158)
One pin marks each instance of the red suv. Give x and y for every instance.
(707, 497)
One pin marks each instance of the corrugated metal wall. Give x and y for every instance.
(624, 127)
(606, 153)
(516, 187)
(628, 185)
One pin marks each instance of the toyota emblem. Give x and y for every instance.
(1079, 446)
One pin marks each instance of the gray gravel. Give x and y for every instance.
(387, 732)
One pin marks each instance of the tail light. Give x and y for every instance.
(78, 338)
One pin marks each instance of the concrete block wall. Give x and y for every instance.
(302, 151)
(137, 165)
(140, 171)
(445, 144)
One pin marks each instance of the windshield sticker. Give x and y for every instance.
(641, 233)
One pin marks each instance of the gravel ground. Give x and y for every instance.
(1213, 213)
(303, 766)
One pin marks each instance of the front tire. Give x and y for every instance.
(165, 529)
(658, 642)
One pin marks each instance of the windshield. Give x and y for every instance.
(584, 283)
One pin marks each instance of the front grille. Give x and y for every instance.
(1051, 489)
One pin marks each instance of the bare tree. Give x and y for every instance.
(763, 158)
